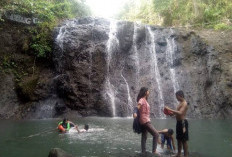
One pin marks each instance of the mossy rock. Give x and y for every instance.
(26, 88)
(25, 44)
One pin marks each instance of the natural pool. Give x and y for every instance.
(107, 137)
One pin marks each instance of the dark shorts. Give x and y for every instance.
(168, 139)
(180, 135)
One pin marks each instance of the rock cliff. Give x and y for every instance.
(99, 65)
(102, 64)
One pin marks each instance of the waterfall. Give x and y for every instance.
(136, 55)
(46, 108)
(90, 72)
(155, 69)
(62, 32)
(112, 43)
(90, 68)
(129, 100)
(170, 56)
(101, 64)
(61, 40)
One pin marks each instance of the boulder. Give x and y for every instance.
(57, 152)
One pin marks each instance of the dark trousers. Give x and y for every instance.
(147, 127)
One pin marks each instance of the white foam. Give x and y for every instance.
(73, 130)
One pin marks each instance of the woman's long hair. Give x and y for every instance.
(142, 93)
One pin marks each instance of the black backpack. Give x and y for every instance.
(136, 125)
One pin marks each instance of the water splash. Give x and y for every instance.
(46, 108)
(155, 69)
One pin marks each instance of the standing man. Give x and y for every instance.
(181, 124)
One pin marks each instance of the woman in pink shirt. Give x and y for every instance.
(145, 121)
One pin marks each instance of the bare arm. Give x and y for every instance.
(162, 131)
(180, 112)
(77, 129)
(76, 126)
(71, 123)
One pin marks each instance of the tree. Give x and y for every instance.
(196, 13)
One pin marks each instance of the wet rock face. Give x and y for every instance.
(80, 62)
(8, 98)
(101, 65)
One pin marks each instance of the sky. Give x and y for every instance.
(105, 8)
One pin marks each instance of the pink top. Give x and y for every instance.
(144, 111)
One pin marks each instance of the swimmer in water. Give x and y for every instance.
(86, 128)
(66, 125)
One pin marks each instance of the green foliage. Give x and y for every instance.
(42, 39)
(141, 11)
(161, 5)
(49, 13)
(196, 13)
(7, 63)
(1, 19)
(222, 26)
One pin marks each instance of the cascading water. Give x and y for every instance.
(89, 76)
(115, 59)
(155, 68)
(91, 50)
(111, 44)
(46, 108)
(129, 99)
(170, 56)
(62, 33)
(61, 39)
(136, 57)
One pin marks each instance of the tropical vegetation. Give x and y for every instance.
(216, 14)
(49, 13)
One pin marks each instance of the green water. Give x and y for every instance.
(107, 137)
